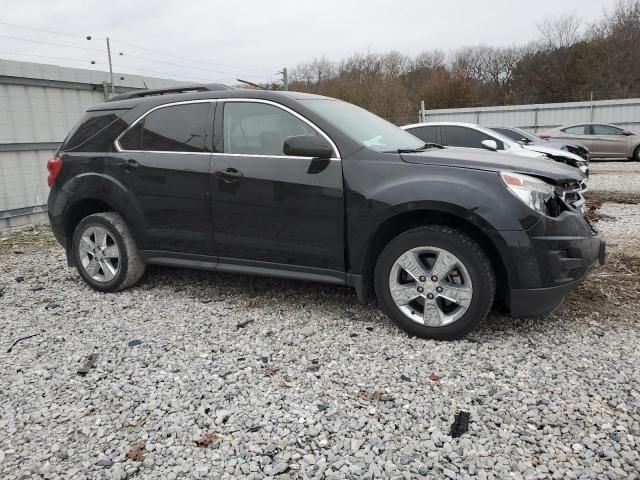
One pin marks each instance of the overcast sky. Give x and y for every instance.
(209, 40)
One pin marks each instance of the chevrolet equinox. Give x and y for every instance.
(307, 187)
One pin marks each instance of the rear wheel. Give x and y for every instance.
(434, 282)
(105, 254)
(636, 154)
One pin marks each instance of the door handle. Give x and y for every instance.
(129, 165)
(229, 175)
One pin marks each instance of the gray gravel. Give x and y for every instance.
(612, 176)
(226, 376)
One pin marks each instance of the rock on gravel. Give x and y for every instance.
(557, 397)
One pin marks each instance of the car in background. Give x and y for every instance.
(527, 138)
(470, 135)
(602, 140)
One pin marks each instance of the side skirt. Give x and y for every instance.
(247, 267)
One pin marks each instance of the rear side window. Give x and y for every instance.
(426, 134)
(577, 130)
(91, 123)
(259, 129)
(467, 137)
(177, 128)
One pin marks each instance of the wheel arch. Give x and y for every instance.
(401, 222)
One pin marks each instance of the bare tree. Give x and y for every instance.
(560, 32)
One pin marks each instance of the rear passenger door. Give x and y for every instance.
(271, 208)
(164, 159)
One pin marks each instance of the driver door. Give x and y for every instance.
(270, 208)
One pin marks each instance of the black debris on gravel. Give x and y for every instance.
(460, 424)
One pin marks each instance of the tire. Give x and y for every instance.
(636, 154)
(110, 265)
(467, 263)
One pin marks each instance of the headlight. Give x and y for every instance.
(532, 191)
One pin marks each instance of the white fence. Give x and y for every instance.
(538, 117)
(38, 106)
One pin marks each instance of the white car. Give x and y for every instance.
(469, 135)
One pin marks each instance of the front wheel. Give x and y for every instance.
(636, 154)
(105, 254)
(435, 282)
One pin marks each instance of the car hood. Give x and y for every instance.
(557, 173)
(556, 152)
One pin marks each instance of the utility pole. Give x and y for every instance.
(421, 116)
(285, 79)
(113, 90)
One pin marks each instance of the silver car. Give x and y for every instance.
(602, 140)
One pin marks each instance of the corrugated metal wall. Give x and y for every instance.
(38, 106)
(624, 113)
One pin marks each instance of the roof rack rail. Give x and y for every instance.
(210, 87)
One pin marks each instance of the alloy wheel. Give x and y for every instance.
(99, 254)
(430, 286)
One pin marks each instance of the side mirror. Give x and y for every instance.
(525, 140)
(312, 146)
(490, 145)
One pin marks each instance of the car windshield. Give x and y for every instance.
(364, 126)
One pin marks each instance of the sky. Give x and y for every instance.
(220, 41)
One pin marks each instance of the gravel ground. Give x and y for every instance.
(611, 176)
(225, 376)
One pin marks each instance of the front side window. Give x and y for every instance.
(177, 128)
(467, 137)
(606, 130)
(363, 126)
(577, 130)
(426, 134)
(252, 128)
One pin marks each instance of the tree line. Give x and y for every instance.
(569, 61)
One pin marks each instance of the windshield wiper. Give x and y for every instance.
(420, 149)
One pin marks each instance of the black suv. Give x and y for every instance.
(307, 187)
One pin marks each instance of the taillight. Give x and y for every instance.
(544, 137)
(54, 166)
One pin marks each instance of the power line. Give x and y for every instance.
(177, 64)
(51, 43)
(48, 56)
(180, 57)
(41, 30)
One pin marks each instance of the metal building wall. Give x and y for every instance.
(38, 106)
(539, 117)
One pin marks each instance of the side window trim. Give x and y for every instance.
(220, 135)
(142, 117)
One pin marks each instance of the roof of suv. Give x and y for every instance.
(159, 99)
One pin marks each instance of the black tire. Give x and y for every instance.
(636, 154)
(130, 264)
(468, 252)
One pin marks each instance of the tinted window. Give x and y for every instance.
(426, 134)
(577, 130)
(259, 128)
(467, 137)
(90, 124)
(606, 130)
(512, 134)
(180, 128)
